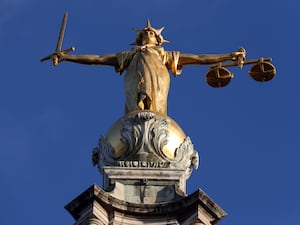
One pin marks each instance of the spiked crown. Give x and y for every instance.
(148, 27)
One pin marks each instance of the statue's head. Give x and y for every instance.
(150, 35)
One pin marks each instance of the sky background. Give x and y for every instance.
(247, 134)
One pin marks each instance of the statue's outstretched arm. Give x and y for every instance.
(109, 59)
(205, 59)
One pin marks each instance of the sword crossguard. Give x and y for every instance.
(56, 55)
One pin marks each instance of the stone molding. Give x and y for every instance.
(95, 206)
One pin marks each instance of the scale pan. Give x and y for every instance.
(218, 77)
(262, 71)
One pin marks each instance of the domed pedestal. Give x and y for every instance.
(145, 157)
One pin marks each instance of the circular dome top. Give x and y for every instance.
(145, 130)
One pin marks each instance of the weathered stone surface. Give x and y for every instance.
(145, 185)
(95, 206)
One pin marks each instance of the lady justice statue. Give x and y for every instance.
(145, 136)
(147, 79)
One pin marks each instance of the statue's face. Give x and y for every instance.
(149, 38)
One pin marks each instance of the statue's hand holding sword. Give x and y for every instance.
(58, 52)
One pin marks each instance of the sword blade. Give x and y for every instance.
(61, 33)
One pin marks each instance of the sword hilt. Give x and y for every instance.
(55, 56)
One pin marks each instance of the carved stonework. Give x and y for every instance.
(144, 164)
(145, 135)
(102, 154)
(186, 157)
(95, 206)
(148, 142)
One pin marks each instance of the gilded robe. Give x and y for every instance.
(147, 79)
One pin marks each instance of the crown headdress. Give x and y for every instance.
(148, 27)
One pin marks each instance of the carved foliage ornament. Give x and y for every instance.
(145, 135)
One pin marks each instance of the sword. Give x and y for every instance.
(54, 56)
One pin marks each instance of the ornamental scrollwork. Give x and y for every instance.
(144, 136)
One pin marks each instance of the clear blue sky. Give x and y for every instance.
(247, 133)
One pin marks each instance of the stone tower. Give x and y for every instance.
(145, 159)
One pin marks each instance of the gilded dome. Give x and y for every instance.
(148, 130)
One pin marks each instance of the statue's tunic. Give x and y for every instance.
(147, 80)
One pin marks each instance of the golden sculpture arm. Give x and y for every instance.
(206, 59)
(109, 59)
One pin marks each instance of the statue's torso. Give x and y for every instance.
(147, 73)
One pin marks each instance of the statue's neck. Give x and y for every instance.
(147, 46)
